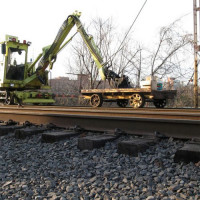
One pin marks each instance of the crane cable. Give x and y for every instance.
(119, 49)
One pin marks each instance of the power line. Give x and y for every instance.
(119, 49)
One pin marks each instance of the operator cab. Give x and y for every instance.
(15, 57)
(15, 64)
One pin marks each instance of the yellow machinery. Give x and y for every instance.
(23, 82)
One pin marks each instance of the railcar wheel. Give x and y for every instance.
(137, 101)
(122, 103)
(96, 100)
(9, 100)
(160, 103)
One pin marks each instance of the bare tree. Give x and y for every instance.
(133, 59)
(107, 39)
(82, 62)
(165, 58)
(134, 63)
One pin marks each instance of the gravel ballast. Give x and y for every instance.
(30, 169)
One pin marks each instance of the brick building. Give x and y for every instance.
(67, 86)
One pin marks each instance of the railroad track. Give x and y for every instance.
(179, 123)
(77, 154)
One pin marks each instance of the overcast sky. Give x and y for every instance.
(38, 21)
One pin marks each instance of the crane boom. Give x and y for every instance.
(50, 52)
(22, 81)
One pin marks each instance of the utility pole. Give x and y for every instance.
(196, 50)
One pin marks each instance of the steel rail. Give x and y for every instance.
(143, 113)
(190, 110)
(178, 124)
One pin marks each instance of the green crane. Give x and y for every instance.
(22, 82)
